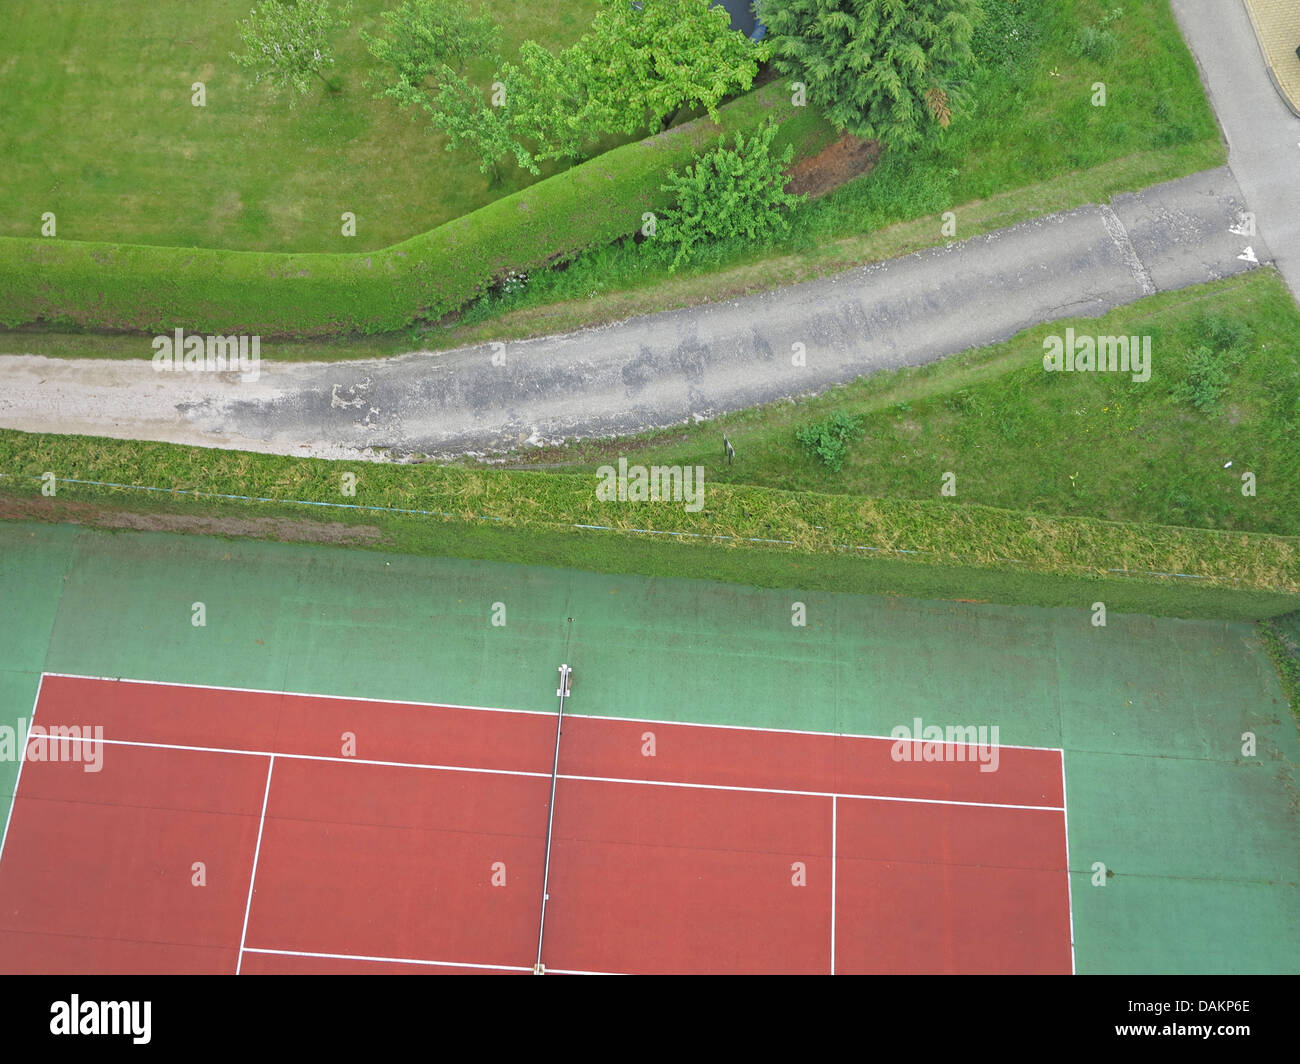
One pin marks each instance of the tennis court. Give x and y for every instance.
(1181, 844)
(225, 830)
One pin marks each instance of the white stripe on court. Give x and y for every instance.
(834, 827)
(528, 712)
(415, 960)
(385, 960)
(13, 801)
(564, 776)
(1069, 890)
(252, 878)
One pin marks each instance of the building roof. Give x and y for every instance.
(742, 17)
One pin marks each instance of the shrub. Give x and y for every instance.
(1097, 43)
(1008, 35)
(1207, 377)
(1208, 365)
(829, 438)
(728, 192)
(1094, 44)
(962, 401)
(1224, 334)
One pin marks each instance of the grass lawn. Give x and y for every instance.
(1080, 444)
(98, 128)
(96, 125)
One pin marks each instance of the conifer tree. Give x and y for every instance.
(887, 70)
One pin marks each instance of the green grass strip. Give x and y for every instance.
(750, 535)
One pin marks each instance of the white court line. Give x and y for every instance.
(305, 757)
(834, 826)
(252, 879)
(1069, 891)
(798, 731)
(385, 960)
(809, 794)
(453, 768)
(414, 960)
(300, 694)
(13, 801)
(529, 712)
(563, 776)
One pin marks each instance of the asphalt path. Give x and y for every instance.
(695, 363)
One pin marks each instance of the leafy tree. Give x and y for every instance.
(883, 69)
(549, 102)
(422, 36)
(728, 193)
(643, 62)
(288, 43)
(633, 70)
(461, 113)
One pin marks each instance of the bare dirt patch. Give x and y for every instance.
(837, 163)
(17, 508)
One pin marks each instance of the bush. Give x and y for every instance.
(1207, 378)
(962, 402)
(829, 439)
(1223, 333)
(1094, 44)
(1008, 36)
(1097, 43)
(728, 192)
(1208, 365)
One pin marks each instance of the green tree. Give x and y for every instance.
(549, 102)
(883, 69)
(643, 62)
(736, 192)
(288, 43)
(422, 36)
(467, 121)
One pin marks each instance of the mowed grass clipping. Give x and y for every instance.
(1085, 444)
(98, 127)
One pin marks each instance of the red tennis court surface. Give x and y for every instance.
(242, 831)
